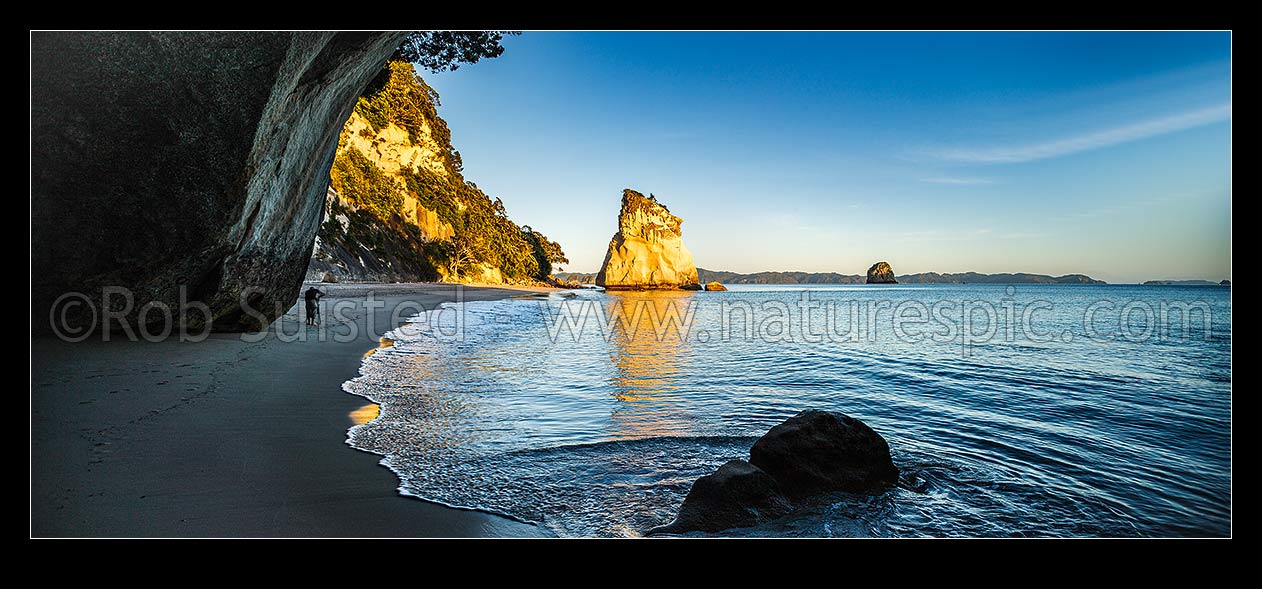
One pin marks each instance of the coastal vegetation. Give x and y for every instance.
(396, 163)
(446, 50)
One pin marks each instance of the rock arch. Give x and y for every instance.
(186, 166)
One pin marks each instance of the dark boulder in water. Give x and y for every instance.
(811, 453)
(738, 495)
(821, 451)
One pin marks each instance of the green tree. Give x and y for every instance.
(473, 241)
(440, 51)
(546, 252)
(483, 233)
(356, 178)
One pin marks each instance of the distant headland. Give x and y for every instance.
(835, 278)
(1187, 283)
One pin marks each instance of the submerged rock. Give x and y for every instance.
(648, 251)
(714, 286)
(738, 495)
(881, 273)
(821, 451)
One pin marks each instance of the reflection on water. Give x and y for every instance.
(650, 357)
(385, 343)
(365, 414)
(604, 433)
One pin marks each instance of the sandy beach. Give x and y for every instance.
(226, 437)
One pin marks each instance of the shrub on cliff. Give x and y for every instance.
(398, 95)
(483, 232)
(545, 251)
(355, 177)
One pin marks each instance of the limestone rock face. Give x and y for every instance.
(394, 151)
(648, 251)
(388, 256)
(187, 166)
(881, 273)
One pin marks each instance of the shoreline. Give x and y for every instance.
(232, 438)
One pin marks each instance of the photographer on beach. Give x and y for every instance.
(312, 296)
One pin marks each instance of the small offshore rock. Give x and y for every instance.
(881, 273)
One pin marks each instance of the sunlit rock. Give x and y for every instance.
(881, 273)
(648, 251)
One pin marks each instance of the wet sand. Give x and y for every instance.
(226, 437)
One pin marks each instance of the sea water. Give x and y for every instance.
(1022, 410)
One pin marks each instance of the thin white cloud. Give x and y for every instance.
(1023, 235)
(939, 235)
(948, 235)
(959, 181)
(1087, 141)
(1124, 207)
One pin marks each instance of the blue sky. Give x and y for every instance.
(1107, 154)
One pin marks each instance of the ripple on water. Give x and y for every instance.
(596, 436)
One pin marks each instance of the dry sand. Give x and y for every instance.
(225, 437)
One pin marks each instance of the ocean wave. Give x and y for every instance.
(604, 436)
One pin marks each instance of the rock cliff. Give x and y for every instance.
(393, 150)
(648, 250)
(881, 273)
(186, 166)
(399, 208)
(354, 243)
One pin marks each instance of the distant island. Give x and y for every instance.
(835, 278)
(1016, 278)
(1186, 283)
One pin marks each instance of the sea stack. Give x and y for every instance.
(881, 273)
(648, 250)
